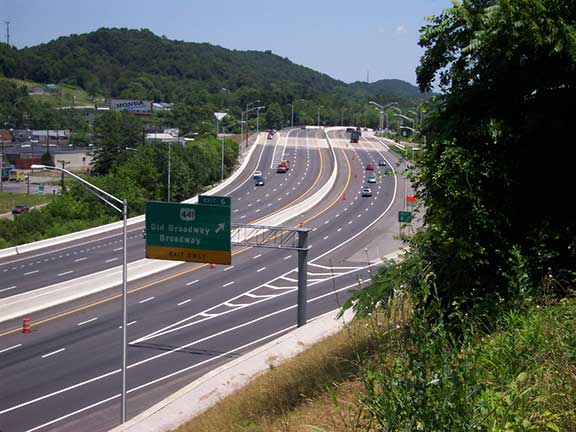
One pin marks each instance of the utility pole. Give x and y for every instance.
(64, 163)
(7, 32)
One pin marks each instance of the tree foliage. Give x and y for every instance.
(493, 203)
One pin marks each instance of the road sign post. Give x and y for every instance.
(189, 232)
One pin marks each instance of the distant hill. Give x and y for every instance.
(137, 63)
(391, 88)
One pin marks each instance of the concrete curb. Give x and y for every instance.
(208, 390)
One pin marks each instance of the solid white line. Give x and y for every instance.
(80, 259)
(86, 322)
(110, 260)
(11, 348)
(7, 289)
(184, 302)
(262, 269)
(31, 272)
(228, 284)
(145, 300)
(53, 352)
(117, 249)
(228, 268)
(193, 282)
(65, 273)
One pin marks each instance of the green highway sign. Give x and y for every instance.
(214, 200)
(404, 216)
(188, 232)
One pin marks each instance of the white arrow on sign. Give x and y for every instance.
(220, 227)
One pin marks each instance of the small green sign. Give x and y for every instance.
(214, 200)
(404, 216)
(188, 232)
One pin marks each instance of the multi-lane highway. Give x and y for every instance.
(65, 374)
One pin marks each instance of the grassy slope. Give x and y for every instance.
(527, 380)
(9, 200)
(67, 94)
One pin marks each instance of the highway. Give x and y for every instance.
(65, 375)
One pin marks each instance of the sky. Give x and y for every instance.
(361, 40)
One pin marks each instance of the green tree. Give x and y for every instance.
(114, 132)
(507, 70)
(274, 116)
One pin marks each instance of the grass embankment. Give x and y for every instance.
(9, 200)
(383, 377)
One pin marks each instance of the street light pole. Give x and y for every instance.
(169, 168)
(120, 206)
(246, 118)
(319, 108)
(258, 118)
(219, 116)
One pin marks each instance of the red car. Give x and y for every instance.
(370, 167)
(20, 209)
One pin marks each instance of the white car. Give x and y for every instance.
(366, 192)
(257, 174)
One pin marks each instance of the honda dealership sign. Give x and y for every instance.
(133, 106)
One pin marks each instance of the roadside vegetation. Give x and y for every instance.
(128, 169)
(486, 290)
(9, 200)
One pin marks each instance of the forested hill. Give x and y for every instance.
(137, 63)
(120, 62)
(392, 88)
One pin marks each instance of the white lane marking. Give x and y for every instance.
(256, 256)
(349, 223)
(53, 352)
(7, 289)
(31, 272)
(65, 273)
(242, 217)
(262, 269)
(228, 284)
(235, 210)
(288, 257)
(10, 348)
(128, 325)
(145, 300)
(325, 238)
(193, 282)
(184, 302)
(339, 229)
(110, 260)
(228, 268)
(80, 259)
(117, 249)
(194, 366)
(87, 321)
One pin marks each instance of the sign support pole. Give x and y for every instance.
(302, 276)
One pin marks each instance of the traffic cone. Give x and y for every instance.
(212, 266)
(26, 325)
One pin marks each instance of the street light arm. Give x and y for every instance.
(90, 186)
(390, 104)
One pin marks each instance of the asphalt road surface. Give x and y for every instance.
(65, 375)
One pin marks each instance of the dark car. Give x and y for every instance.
(259, 181)
(20, 209)
(381, 162)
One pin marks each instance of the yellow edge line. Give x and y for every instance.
(114, 297)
